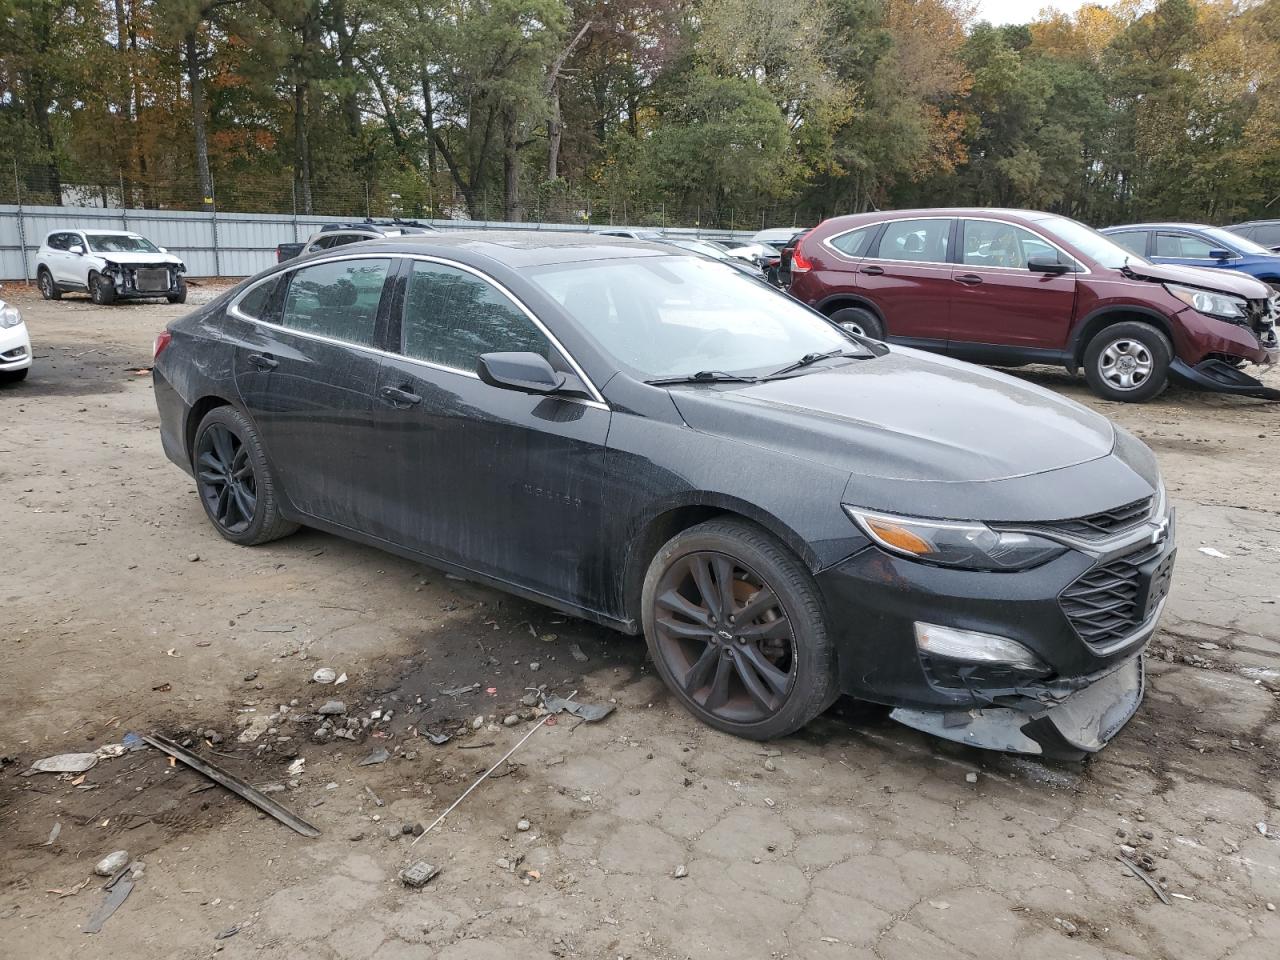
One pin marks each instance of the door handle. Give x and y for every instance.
(969, 279)
(398, 397)
(873, 271)
(263, 362)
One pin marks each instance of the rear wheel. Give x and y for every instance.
(48, 289)
(235, 483)
(179, 294)
(1128, 361)
(735, 626)
(101, 290)
(860, 321)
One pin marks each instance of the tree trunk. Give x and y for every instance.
(555, 128)
(301, 148)
(510, 167)
(196, 81)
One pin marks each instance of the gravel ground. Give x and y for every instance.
(123, 611)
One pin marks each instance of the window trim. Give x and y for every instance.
(1079, 267)
(232, 308)
(951, 235)
(875, 228)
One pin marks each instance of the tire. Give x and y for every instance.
(181, 295)
(101, 290)
(14, 376)
(859, 320)
(48, 289)
(228, 456)
(707, 664)
(1128, 362)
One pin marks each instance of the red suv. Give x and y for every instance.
(1012, 287)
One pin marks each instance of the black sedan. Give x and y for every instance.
(652, 441)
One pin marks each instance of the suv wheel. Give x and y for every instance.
(48, 289)
(179, 294)
(101, 290)
(735, 626)
(1128, 362)
(860, 321)
(237, 487)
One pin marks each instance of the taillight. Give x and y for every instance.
(279, 255)
(162, 341)
(799, 262)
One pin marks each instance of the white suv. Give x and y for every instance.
(109, 265)
(15, 344)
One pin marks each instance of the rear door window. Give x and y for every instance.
(451, 317)
(1267, 234)
(338, 300)
(854, 243)
(1134, 241)
(256, 303)
(1182, 246)
(924, 241)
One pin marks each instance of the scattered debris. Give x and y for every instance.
(297, 768)
(1069, 928)
(1141, 874)
(439, 739)
(342, 678)
(681, 872)
(381, 755)
(459, 691)
(575, 651)
(227, 933)
(770, 765)
(510, 720)
(522, 826)
(418, 875)
(1211, 552)
(235, 785)
(333, 708)
(109, 865)
(53, 834)
(324, 675)
(970, 778)
(586, 711)
(64, 763)
(276, 628)
(118, 891)
(1261, 827)
(72, 891)
(475, 746)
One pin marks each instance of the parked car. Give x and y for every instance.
(340, 234)
(778, 237)
(1265, 233)
(716, 252)
(630, 234)
(109, 265)
(1011, 287)
(15, 344)
(1197, 245)
(651, 441)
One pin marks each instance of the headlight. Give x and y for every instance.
(110, 267)
(1212, 304)
(971, 546)
(10, 316)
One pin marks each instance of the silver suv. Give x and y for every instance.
(109, 265)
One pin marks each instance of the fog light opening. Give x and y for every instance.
(974, 647)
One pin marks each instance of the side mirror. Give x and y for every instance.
(1048, 265)
(76, 249)
(163, 249)
(526, 372)
(1221, 254)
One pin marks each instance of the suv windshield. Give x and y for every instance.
(119, 243)
(1105, 251)
(1233, 241)
(676, 316)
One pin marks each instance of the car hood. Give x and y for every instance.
(138, 258)
(905, 416)
(1224, 281)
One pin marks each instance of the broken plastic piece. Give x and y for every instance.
(64, 763)
(590, 712)
(418, 875)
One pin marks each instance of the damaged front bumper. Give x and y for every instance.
(1081, 722)
(1221, 377)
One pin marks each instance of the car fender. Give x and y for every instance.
(1098, 318)
(837, 301)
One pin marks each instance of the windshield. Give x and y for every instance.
(676, 316)
(1090, 242)
(1234, 241)
(119, 243)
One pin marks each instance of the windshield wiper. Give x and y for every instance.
(809, 359)
(704, 376)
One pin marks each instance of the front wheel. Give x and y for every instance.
(235, 482)
(1128, 362)
(860, 321)
(734, 624)
(179, 294)
(101, 290)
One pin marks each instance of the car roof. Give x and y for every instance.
(107, 233)
(1252, 223)
(922, 213)
(1158, 226)
(518, 248)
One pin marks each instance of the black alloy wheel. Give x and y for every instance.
(236, 485)
(226, 478)
(48, 289)
(734, 625)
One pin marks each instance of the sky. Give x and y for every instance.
(1021, 11)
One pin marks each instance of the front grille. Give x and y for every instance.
(1110, 601)
(1107, 522)
(149, 279)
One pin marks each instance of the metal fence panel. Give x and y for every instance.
(211, 244)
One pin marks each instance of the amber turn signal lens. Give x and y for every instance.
(900, 537)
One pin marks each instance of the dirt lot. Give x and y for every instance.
(123, 611)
